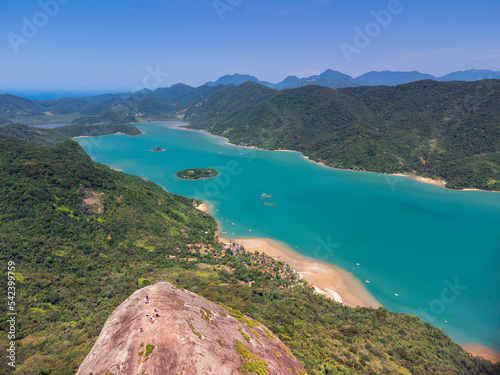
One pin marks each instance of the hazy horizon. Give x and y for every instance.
(126, 45)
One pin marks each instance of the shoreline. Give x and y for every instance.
(334, 282)
(322, 277)
(428, 180)
(203, 207)
(329, 280)
(425, 180)
(93, 136)
(482, 351)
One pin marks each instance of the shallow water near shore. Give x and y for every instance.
(425, 250)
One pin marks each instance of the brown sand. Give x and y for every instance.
(333, 281)
(425, 180)
(93, 136)
(203, 207)
(482, 351)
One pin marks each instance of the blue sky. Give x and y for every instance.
(114, 45)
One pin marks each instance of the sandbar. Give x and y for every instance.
(330, 280)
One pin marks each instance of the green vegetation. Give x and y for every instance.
(444, 130)
(330, 338)
(254, 365)
(206, 314)
(71, 225)
(245, 336)
(447, 130)
(51, 137)
(80, 235)
(196, 332)
(111, 108)
(197, 173)
(144, 355)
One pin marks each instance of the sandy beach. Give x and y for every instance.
(329, 280)
(431, 181)
(203, 207)
(93, 136)
(335, 282)
(425, 180)
(482, 351)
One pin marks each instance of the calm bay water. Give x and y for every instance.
(437, 249)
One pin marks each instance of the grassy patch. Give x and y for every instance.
(255, 364)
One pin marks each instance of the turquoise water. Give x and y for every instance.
(438, 249)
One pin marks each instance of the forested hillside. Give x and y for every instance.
(446, 130)
(51, 137)
(83, 237)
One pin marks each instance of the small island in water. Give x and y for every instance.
(197, 173)
(158, 149)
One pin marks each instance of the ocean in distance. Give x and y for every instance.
(427, 251)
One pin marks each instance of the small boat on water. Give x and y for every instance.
(397, 295)
(366, 281)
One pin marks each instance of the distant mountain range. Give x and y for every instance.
(445, 130)
(335, 80)
(448, 130)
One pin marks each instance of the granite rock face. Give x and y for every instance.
(187, 335)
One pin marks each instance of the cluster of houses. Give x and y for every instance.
(268, 264)
(257, 261)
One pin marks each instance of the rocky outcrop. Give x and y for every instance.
(162, 329)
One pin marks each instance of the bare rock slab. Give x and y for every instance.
(187, 335)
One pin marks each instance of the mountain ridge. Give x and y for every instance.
(336, 79)
(420, 128)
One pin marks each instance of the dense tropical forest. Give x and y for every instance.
(84, 237)
(448, 131)
(443, 130)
